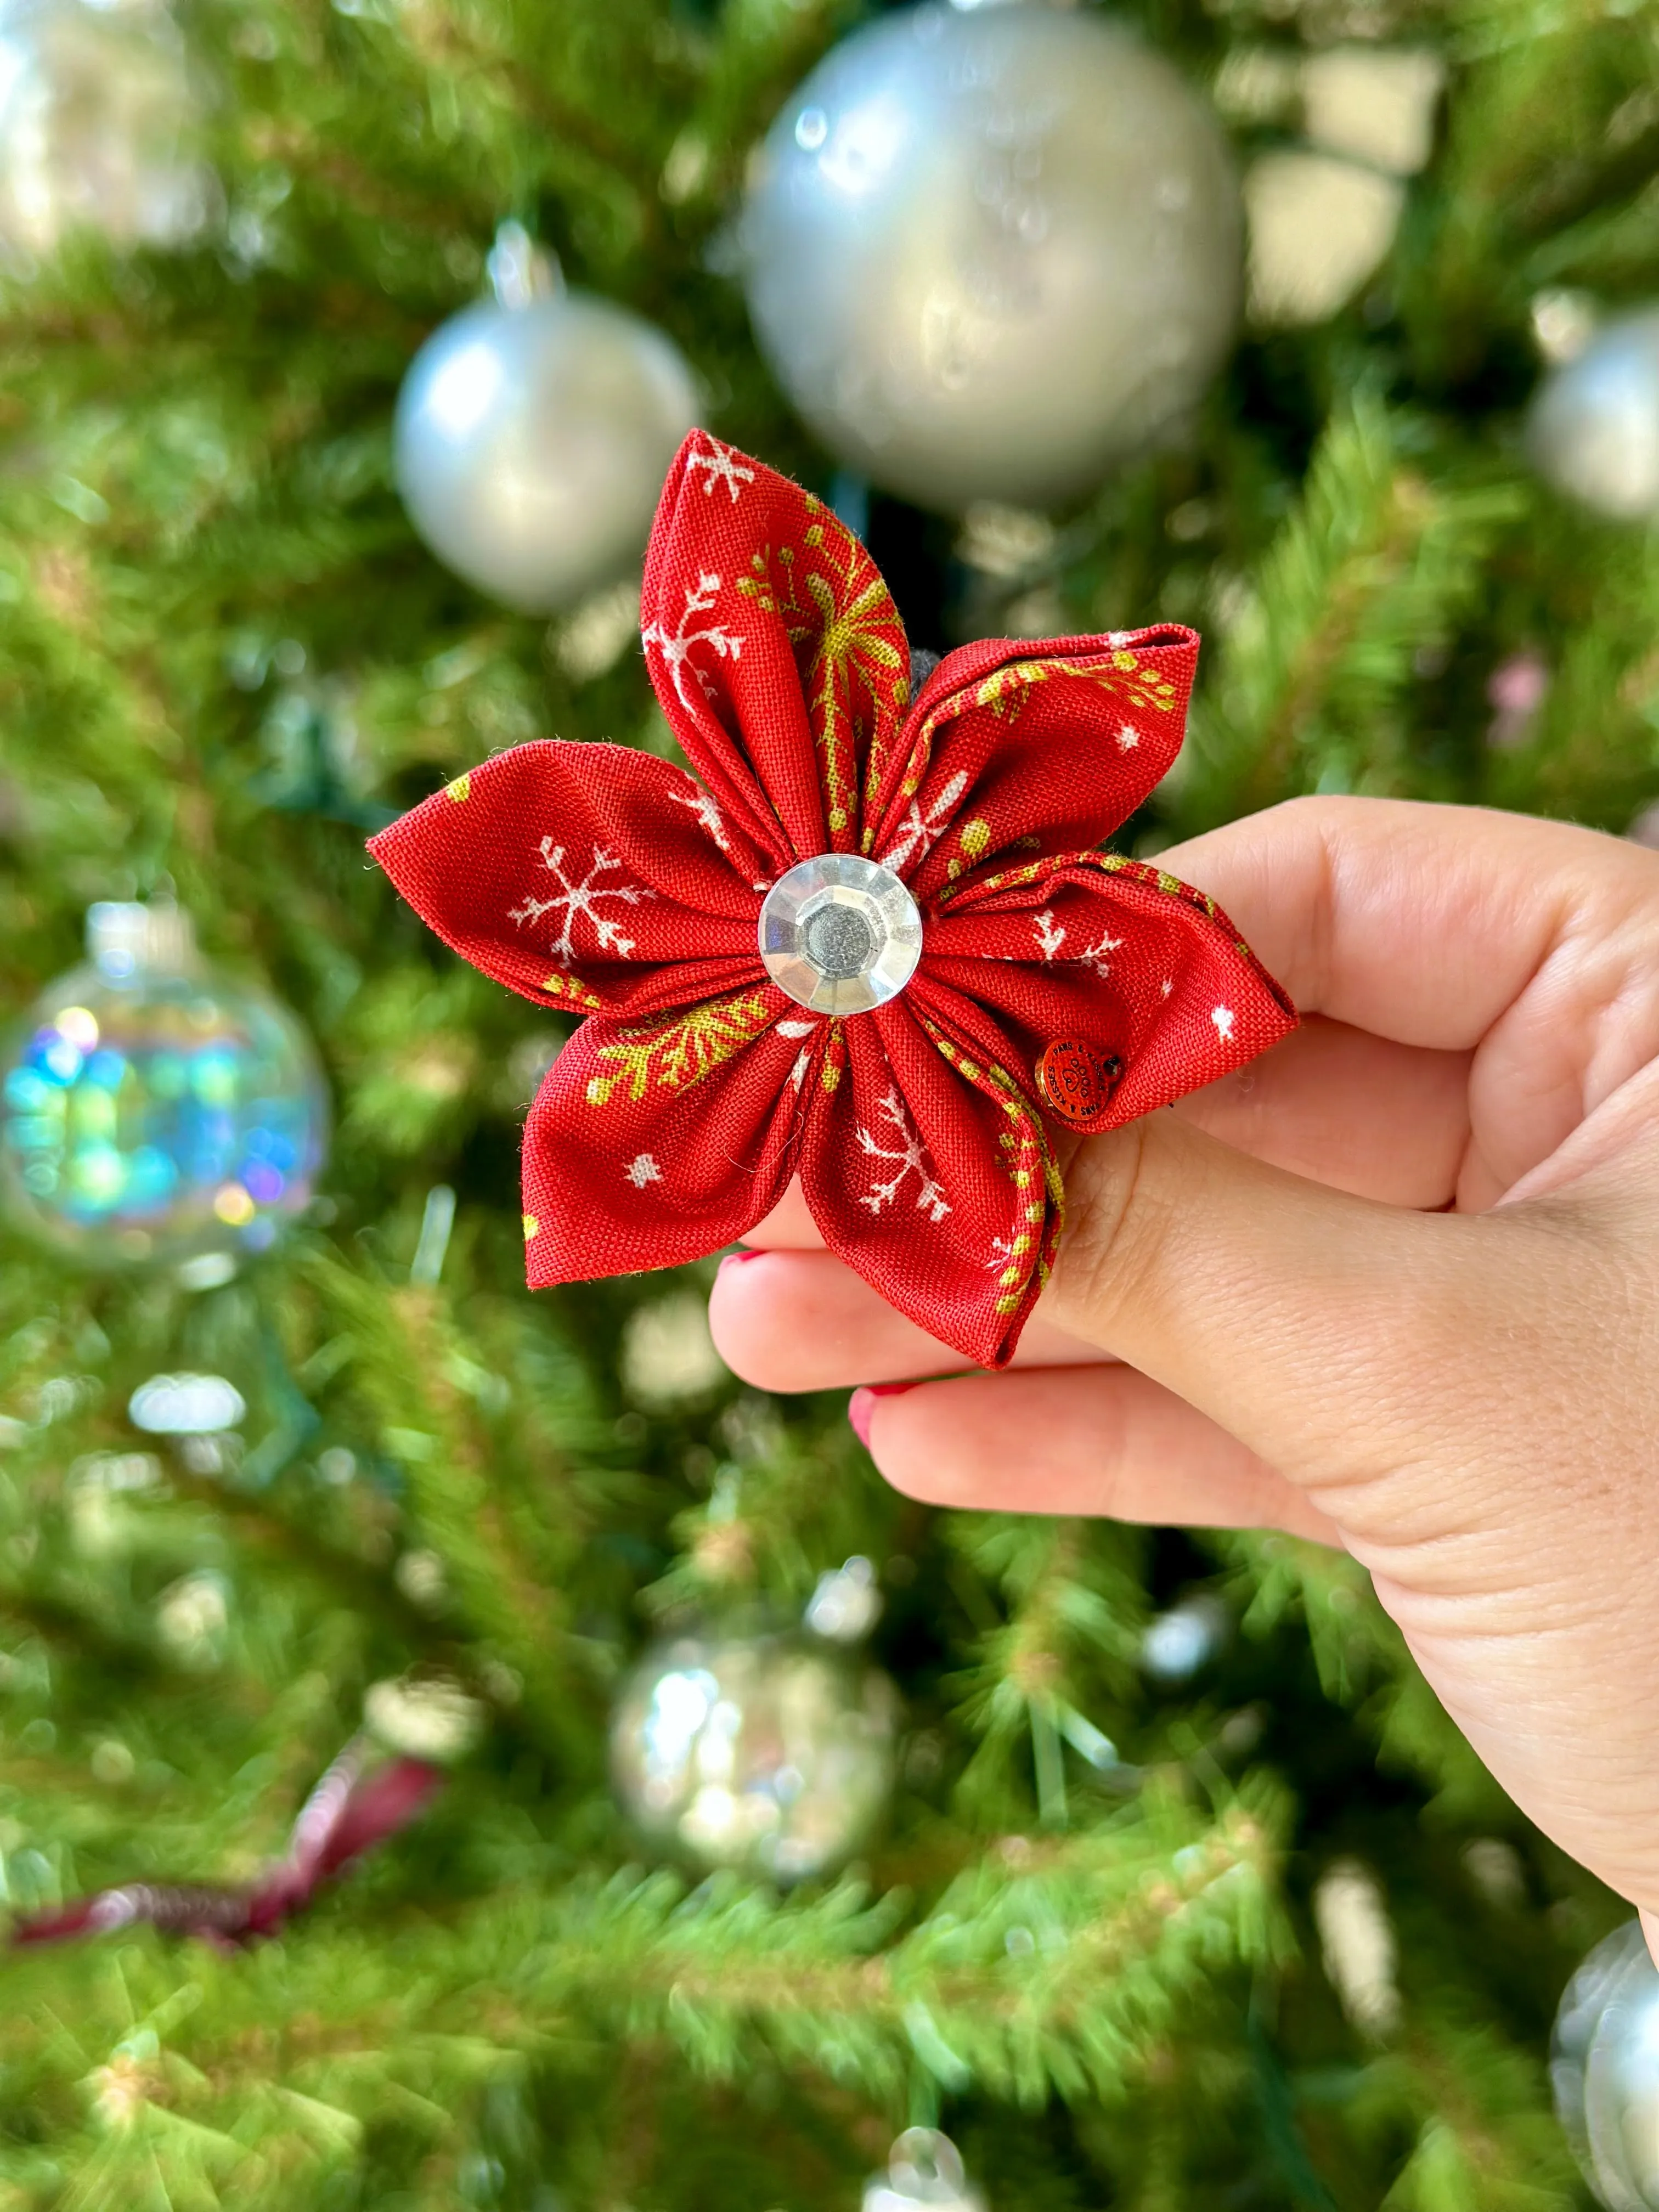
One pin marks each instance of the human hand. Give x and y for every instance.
(1395, 1286)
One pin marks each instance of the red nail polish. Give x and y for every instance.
(736, 1259)
(862, 1404)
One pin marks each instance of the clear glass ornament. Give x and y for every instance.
(1594, 430)
(924, 2167)
(154, 1111)
(1604, 2070)
(533, 432)
(101, 113)
(991, 253)
(770, 1754)
(840, 934)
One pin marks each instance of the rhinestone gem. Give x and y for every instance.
(840, 934)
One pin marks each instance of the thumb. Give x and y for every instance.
(1333, 1335)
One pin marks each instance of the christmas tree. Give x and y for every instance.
(1187, 1893)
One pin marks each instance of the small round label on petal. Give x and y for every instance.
(840, 934)
(1075, 1082)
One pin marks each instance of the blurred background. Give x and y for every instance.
(702, 1825)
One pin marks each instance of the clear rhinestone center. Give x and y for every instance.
(840, 934)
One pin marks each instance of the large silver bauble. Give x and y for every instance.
(989, 255)
(1604, 2070)
(1594, 425)
(100, 116)
(772, 1755)
(531, 442)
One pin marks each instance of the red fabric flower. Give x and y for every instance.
(1057, 987)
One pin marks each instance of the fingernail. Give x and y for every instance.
(862, 1405)
(735, 1260)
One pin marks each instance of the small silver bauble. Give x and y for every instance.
(773, 1755)
(533, 432)
(100, 113)
(923, 2168)
(840, 934)
(1604, 2070)
(991, 254)
(1594, 431)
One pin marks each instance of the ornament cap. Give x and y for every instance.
(923, 2168)
(520, 271)
(124, 937)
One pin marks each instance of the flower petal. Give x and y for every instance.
(776, 650)
(1119, 956)
(651, 1145)
(931, 1187)
(1033, 748)
(575, 873)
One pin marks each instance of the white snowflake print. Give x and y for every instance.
(803, 1057)
(1127, 738)
(1223, 1019)
(675, 645)
(1167, 986)
(724, 467)
(1051, 935)
(1096, 955)
(642, 1169)
(702, 805)
(575, 900)
(911, 1157)
(919, 833)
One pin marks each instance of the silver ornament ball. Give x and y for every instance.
(1594, 430)
(989, 255)
(100, 111)
(533, 432)
(771, 1755)
(1604, 2070)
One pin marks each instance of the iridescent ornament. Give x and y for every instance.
(533, 432)
(1594, 430)
(156, 1111)
(991, 254)
(770, 1754)
(1604, 2070)
(923, 2168)
(101, 115)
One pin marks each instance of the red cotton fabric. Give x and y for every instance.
(1059, 988)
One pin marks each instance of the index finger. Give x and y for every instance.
(1419, 922)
